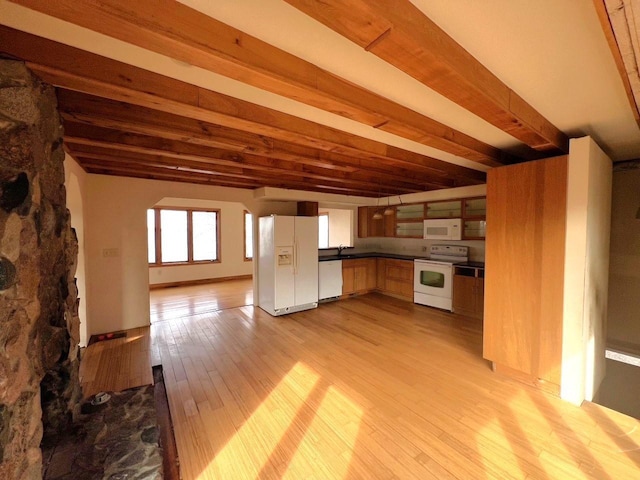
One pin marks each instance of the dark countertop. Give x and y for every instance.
(395, 256)
(355, 256)
(478, 265)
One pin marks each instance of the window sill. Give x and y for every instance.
(182, 264)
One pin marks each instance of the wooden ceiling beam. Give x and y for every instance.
(180, 32)
(78, 108)
(609, 31)
(128, 166)
(220, 160)
(74, 69)
(103, 112)
(399, 33)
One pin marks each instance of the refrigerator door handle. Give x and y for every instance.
(295, 256)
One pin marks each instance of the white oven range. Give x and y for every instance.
(433, 276)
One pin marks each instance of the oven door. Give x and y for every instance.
(432, 279)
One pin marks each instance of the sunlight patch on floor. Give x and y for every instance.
(487, 448)
(244, 455)
(289, 431)
(328, 463)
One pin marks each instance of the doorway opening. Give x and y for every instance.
(200, 255)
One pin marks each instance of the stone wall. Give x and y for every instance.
(39, 325)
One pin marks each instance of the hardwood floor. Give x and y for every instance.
(118, 364)
(124, 363)
(176, 302)
(369, 388)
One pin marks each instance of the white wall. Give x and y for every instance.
(586, 270)
(623, 329)
(232, 261)
(116, 242)
(75, 184)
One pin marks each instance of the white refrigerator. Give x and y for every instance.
(287, 264)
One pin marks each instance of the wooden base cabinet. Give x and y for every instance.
(468, 291)
(387, 275)
(358, 276)
(399, 278)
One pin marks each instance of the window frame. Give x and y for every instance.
(244, 235)
(190, 260)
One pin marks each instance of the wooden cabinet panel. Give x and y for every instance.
(464, 295)
(444, 209)
(382, 227)
(370, 273)
(399, 278)
(363, 222)
(526, 215)
(308, 209)
(381, 273)
(468, 292)
(358, 276)
(370, 227)
(348, 279)
(390, 224)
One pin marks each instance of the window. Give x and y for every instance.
(183, 236)
(248, 236)
(323, 230)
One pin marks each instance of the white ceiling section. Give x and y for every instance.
(553, 53)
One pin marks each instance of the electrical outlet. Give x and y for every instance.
(424, 248)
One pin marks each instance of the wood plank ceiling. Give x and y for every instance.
(123, 120)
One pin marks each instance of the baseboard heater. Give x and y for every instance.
(624, 357)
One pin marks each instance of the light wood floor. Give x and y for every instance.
(366, 388)
(118, 364)
(172, 303)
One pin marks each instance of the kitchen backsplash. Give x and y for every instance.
(414, 246)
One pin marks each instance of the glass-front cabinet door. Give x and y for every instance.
(474, 229)
(409, 220)
(449, 209)
(474, 217)
(475, 207)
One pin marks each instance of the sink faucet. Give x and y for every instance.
(340, 249)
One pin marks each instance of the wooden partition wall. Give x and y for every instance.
(526, 217)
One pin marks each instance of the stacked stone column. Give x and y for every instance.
(39, 325)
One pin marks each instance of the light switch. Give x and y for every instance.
(110, 252)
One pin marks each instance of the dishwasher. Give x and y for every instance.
(329, 279)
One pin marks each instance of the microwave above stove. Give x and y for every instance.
(443, 229)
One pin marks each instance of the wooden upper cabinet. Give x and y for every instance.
(474, 207)
(408, 222)
(308, 209)
(407, 219)
(363, 222)
(445, 209)
(523, 312)
(474, 213)
(371, 227)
